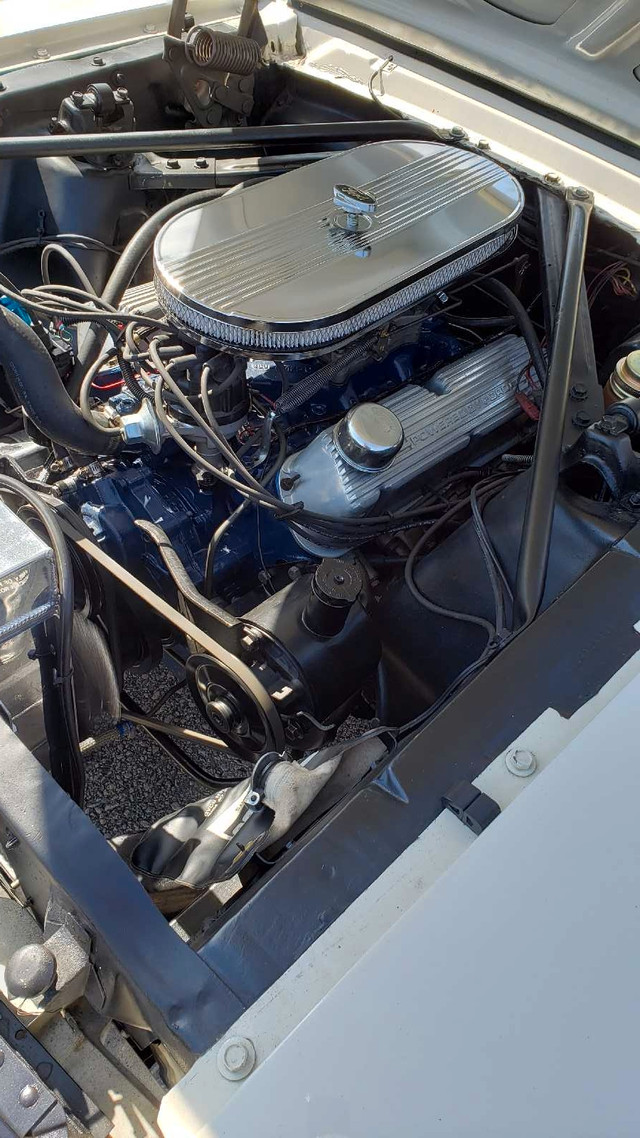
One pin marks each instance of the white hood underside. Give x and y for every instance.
(581, 59)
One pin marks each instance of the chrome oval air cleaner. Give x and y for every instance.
(303, 262)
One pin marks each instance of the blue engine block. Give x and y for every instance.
(163, 489)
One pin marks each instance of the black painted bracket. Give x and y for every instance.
(150, 979)
(474, 809)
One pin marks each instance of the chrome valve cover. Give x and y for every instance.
(462, 400)
(303, 262)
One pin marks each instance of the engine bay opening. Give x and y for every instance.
(332, 373)
(295, 440)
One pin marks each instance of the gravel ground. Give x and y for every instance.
(132, 783)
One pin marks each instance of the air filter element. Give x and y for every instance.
(305, 261)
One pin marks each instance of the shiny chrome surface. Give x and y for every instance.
(28, 587)
(142, 299)
(625, 377)
(461, 401)
(268, 268)
(369, 437)
(355, 208)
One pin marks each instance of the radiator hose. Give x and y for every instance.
(36, 384)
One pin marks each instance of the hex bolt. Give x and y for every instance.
(613, 425)
(122, 93)
(202, 163)
(578, 392)
(29, 1095)
(552, 179)
(98, 61)
(581, 419)
(173, 164)
(520, 762)
(581, 193)
(634, 500)
(236, 1058)
(77, 98)
(484, 144)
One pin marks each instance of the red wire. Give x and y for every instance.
(107, 386)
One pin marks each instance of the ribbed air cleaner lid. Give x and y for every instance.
(304, 261)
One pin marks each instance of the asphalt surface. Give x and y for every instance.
(131, 783)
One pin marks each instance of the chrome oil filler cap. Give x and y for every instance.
(369, 437)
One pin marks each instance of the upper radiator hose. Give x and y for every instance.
(34, 379)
